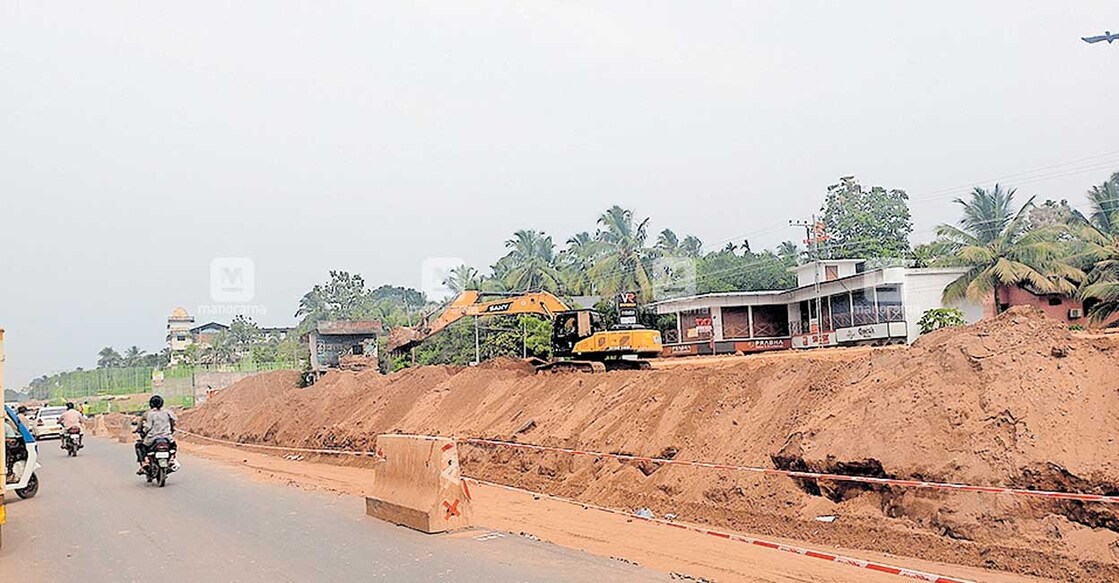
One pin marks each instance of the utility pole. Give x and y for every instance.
(813, 233)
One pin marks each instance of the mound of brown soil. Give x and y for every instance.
(1012, 401)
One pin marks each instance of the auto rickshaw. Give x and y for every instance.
(21, 457)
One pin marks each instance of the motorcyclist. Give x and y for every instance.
(70, 418)
(155, 424)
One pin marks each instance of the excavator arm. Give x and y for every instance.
(473, 303)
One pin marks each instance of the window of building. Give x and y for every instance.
(831, 272)
(1054, 300)
(862, 312)
(889, 304)
(840, 310)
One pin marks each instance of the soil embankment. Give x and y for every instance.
(1015, 401)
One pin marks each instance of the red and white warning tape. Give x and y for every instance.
(810, 475)
(850, 561)
(835, 558)
(949, 486)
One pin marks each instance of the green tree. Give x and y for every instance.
(1051, 215)
(866, 223)
(725, 271)
(576, 262)
(344, 297)
(398, 306)
(242, 335)
(938, 318)
(133, 356)
(1098, 238)
(531, 262)
(1104, 199)
(691, 247)
(669, 245)
(789, 252)
(109, 358)
(463, 278)
(624, 261)
(1012, 255)
(929, 254)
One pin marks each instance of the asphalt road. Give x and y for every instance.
(94, 520)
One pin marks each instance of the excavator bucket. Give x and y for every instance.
(401, 339)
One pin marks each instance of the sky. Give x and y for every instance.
(141, 141)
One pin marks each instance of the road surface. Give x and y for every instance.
(94, 520)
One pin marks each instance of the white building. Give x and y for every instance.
(836, 302)
(179, 337)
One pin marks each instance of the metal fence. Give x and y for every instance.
(865, 316)
(177, 382)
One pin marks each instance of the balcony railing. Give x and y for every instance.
(863, 316)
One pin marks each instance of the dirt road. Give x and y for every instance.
(93, 520)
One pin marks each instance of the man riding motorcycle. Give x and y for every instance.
(155, 424)
(70, 419)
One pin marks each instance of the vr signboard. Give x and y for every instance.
(627, 308)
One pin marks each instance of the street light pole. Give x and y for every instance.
(812, 237)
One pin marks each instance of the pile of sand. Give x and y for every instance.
(1012, 401)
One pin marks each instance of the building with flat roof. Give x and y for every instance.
(836, 302)
(332, 342)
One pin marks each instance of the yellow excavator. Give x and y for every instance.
(580, 338)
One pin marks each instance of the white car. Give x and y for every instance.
(45, 423)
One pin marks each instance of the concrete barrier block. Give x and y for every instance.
(99, 427)
(417, 483)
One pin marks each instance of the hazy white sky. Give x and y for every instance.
(140, 140)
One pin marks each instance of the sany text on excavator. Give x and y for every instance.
(580, 338)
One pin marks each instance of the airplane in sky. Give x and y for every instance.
(1108, 36)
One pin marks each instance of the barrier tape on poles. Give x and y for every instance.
(951, 486)
(947, 486)
(736, 537)
(804, 552)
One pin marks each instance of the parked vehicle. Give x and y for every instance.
(46, 423)
(72, 441)
(161, 461)
(21, 457)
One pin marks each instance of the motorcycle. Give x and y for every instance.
(161, 461)
(72, 441)
(22, 456)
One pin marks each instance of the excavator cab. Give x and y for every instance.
(571, 326)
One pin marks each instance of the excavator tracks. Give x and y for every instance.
(592, 366)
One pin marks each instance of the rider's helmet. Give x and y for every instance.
(22, 409)
(156, 402)
(69, 405)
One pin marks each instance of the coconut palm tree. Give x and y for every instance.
(994, 241)
(1097, 237)
(624, 262)
(462, 278)
(788, 252)
(531, 262)
(1104, 199)
(988, 212)
(576, 261)
(667, 243)
(133, 355)
(691, 247)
